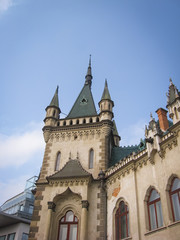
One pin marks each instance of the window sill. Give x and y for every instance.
(128, 238)
(174, 223)
(155, 230)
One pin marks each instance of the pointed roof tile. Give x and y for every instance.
(72, 168)
(106, 94)
(55, 100)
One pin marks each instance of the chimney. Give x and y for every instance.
(163, 121)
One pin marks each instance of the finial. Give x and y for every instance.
(171, 83)
(151, 116)
(106, 82)
(90, 60)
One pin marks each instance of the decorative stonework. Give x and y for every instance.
(69, 182)
(85, 204)
(52, 206)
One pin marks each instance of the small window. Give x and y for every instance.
(64, 123)
(54, 113)
(11, 236)
(57, 164)
(58, 124)
(122, 221)
(3, 237)
(175, 199)
(90, 120)
(84, 120)
(24, 236)
(31, 207)
(77, 121)
(154, 210)
(91, 158)
(97, 119)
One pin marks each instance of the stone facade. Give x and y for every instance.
(94, 193)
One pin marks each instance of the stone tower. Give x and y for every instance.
(77, 153)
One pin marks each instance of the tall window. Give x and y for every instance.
(122, 221)
(175, 199)
(154, 210)
(57, 164)
(91, 158)
(68, 227)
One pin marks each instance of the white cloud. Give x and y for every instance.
(12, 187)
(5, 4)
(17, 149)
(133, 134)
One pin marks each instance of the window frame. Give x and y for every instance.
(176, 191)
(69, 224)
(118, 215)
(58, 161)
(91, 158)
(154, 202)
(11, 234)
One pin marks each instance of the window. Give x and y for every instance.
(175, 199)
(3, 237)
(24, 236)
(68, 227)
(122, 221)
(154, 210)
(91, 158)
(11, 236)
(57, 161)
(54, 113)
(31, 207)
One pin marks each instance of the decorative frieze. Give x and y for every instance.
(69, 182)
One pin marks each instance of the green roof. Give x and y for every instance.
(72, 168)
(118, 153)
(55, 100)
(84, 104)
(106, 94)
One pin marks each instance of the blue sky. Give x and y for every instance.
(43, 43)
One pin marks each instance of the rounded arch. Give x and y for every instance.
(91, 158)
(57, 161)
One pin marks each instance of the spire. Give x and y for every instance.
(115, 131)
(55, 100)
(89, 74)
(106, 94)
(172, 94)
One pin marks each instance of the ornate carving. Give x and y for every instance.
(85, 204)
(52, 206)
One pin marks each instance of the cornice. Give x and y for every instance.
(68, 182)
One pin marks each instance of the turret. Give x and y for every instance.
(173, 102)
(116, 136)
(52, 111)
(106, 105)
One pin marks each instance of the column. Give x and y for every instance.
(51, 208)
(83, 232)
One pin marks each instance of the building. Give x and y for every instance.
(16, 214)
(90, 188)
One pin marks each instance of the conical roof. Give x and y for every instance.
(115, 131)
(84, 105)
(106, 94)
(55, 100)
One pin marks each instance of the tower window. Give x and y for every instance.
(175, 199)
(122, 221)
(68, 226)
(57, 164)
(77, 121)
(91, 158)
(54, 113)
(71, 122)
(64, 123)
(154, 210)
(84, 120)
(90, 120)
(97, 119)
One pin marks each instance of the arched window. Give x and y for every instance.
(122, 221)
(68, 227)
(77, 121)
(90, 120)
(58, 158)
(154, 210)
(84, 120)
(175, 198)
(91, 158)
(64, 123)
(71, 122)
(54, 113)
